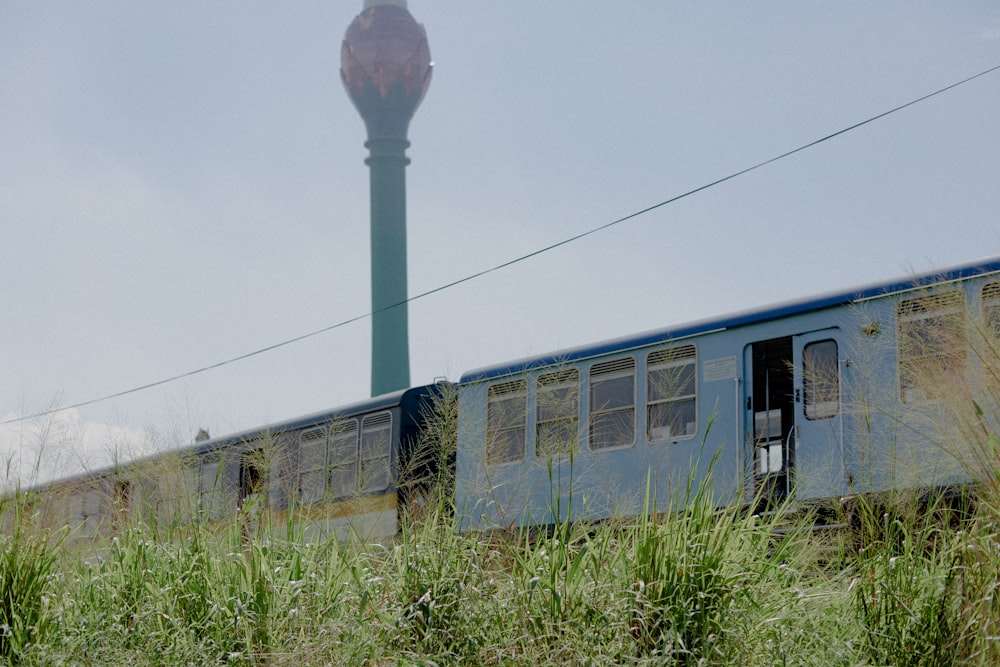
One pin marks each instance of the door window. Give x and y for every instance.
(821, 380)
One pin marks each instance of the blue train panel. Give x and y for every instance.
(816, 399)
(335, 473)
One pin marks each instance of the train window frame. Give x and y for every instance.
(211, 488)
(820, 389)
(376, 431)
(121, 500)
(254, 474)
(923, 323)
(990, 305)
(173, 496)
(506, 422)
(85, 510)
(678, 361)
(605, 375)
(314, 469)
(344, 434)
(557, 413)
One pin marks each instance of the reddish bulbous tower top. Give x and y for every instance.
(385, 64)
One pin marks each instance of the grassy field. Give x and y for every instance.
(911, 583)
(694, 586)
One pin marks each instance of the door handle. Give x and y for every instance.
(791, 434)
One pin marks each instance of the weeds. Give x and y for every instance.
(694, 585)
(924, 588)
(26, 568)
(685, 584)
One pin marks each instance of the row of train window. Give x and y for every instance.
(671, 407)
(86, 507)
(345, 458)
(671, 403)
(933, 346)
(341, 459)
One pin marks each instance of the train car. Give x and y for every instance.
(853, 392)
(336, 473)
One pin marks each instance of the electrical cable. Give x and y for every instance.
(506, 264)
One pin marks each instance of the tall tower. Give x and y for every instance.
(385, 65)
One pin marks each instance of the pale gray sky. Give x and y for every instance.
(182, 183)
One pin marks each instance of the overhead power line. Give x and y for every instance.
(504, 265)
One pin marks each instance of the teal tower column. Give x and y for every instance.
(385, 64)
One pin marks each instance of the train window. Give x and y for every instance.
(932, 345)
(991, 308)
(671, 394)
(312, 465)
(344, 458)
(170, 492)
(821, 380)
(612, 404)
(181, 495)
(557, 413)
(85, 511)
(211, 488)
(92, 511)
(506, 419)
(376, 450)
(121, 502)
(253, 474)
(123, 495)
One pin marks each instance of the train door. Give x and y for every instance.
(770, 418)
(818, 430)
(794, 416)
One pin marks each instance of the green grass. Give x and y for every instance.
(27, 563)
(913, 583)
(691, 586)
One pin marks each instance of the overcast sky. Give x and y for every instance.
(182, 183)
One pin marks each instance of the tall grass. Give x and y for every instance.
(693, 585)
(26, 568)
(926, 583)
(916, 583)
(927, 573)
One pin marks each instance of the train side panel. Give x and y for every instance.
(599, 438)
(854, 394)
(330, 475)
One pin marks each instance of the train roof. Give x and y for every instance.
(734, 320)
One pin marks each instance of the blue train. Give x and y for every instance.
(853, 392)
(888, 386)
(340, 473)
